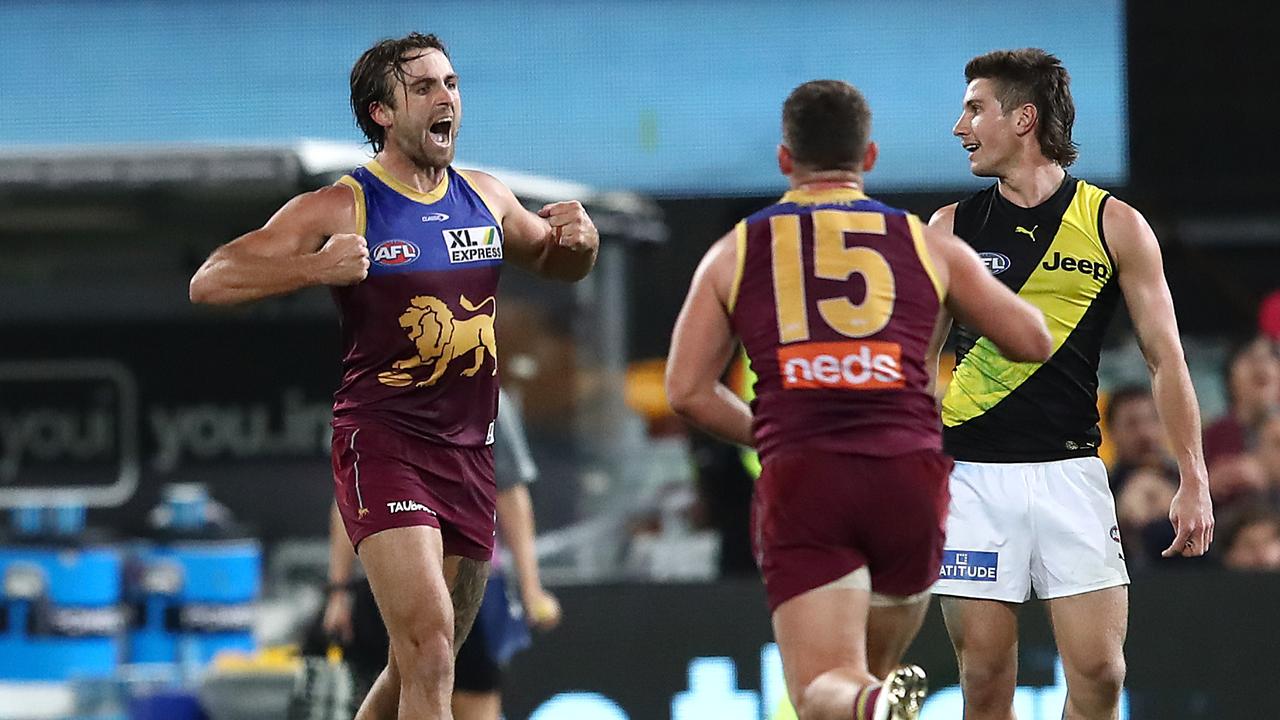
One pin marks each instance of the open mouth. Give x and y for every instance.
(441, 131)
(970, 147)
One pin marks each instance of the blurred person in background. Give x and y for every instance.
(1251, 539)
(412, 248)
(501, 627)
(1135, 435)
(1237, 479)
(1029, 496)
(1142, 511)
(1252, 379)
(1267, 455)
(724, 485)
(836, 298)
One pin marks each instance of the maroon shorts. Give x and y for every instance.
(385, 479)
(818, 516)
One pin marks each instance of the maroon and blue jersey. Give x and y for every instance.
(835, 302)
(419, 354)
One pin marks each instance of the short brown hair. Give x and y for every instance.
(1031, 75)
(826, 125)
(371, 78)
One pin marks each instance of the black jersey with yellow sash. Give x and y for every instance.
(1055, 257)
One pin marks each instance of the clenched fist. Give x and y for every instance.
(542, 609)
(345, 260)
(571, 226)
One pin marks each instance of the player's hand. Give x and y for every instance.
(1191, 513)
(337, 616)
(542, 609)
(571, 226)
(344, 260)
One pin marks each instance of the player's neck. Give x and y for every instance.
(400, 167)
(825, 180)
(1030, 184)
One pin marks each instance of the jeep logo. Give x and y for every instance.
(1098, 270)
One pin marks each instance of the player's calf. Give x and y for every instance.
(843, 694)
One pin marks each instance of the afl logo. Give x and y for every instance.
(395, 252)
(995, 262)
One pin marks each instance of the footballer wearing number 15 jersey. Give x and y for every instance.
(836, 299)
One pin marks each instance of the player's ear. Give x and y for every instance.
(1025, 121)
(786, 163)
(380, 113)
(870, 156)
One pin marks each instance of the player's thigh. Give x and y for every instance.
(1090, 629)
(901, 520)
(805, 512)
(466, 578)
(405, 567)
(892, 624)
(984, 634)
(1078, 546)
(821, 630)
(989, 536)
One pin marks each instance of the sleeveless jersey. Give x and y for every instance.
(417, 334)
(834, 301)
(1055, 257)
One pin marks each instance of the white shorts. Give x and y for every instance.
(1015, 528)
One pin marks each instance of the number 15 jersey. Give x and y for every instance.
(835, 300)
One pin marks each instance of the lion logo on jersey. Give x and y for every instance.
(440, 338)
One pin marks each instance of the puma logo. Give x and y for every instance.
(1029, 233)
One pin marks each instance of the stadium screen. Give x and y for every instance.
(670, 98)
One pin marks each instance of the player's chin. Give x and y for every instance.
(981, 170)
(437, 155)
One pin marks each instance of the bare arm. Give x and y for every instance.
(516, 523)
(342, 560)
(979, 301)
(309, 241)
(558, 242)
(943, 220)
(342, 556)
(1140, 271)
(702, 345)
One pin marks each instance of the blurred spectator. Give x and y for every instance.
(1253, 390)
(1142, 510)
(1250, 540)
(725, 487)
(1236, 479)
(1269, 315)
(1267, 455)
(1136, 436)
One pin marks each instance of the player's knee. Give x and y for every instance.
(1104, 676)
(988, 680)
(424, 649)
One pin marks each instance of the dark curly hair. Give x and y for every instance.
(376, 73)
(1031, 75)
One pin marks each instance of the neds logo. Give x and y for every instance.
(855, 365)
(395, 252)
